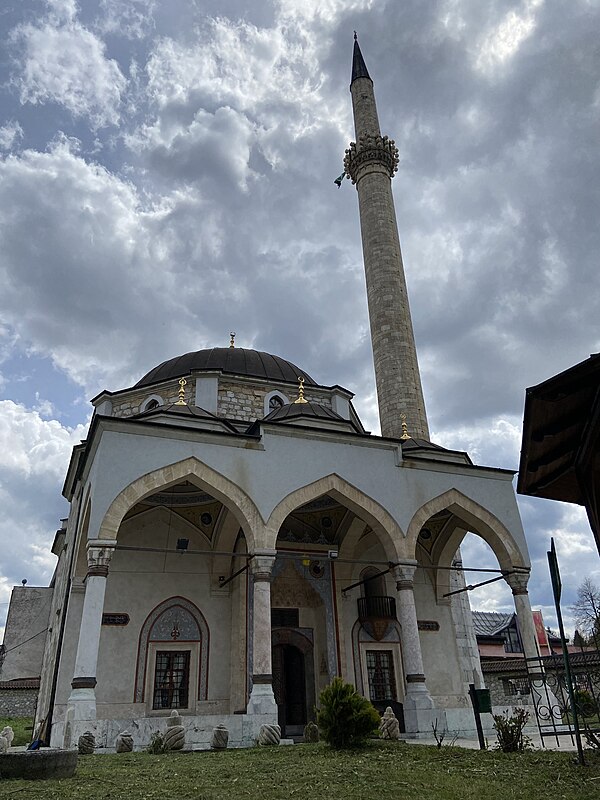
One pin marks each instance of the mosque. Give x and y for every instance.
(236, 538)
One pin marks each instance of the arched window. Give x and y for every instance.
(172, 669)
(273, 401)
(154, 401)
(374, 583)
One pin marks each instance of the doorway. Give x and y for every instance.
(289, 686)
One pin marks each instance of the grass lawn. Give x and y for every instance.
(383, 770)
(18, 724)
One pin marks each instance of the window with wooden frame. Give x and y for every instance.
(381, 675)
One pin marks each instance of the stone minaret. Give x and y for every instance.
(371, 162)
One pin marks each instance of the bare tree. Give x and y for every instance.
(586, 610)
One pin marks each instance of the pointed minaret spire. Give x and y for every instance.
(359, 68)
(371, 162)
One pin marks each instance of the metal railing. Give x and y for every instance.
(378, 607)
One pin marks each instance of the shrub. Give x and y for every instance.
(156, 745)
(585, 703)
(509, 730)
(346, 718)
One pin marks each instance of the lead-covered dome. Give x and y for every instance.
(233, 360)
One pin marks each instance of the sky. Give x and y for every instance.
(166, 176)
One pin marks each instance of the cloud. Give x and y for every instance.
(133, 20)
(501, 43)
(10, 134)
(212, 206)
(58, 60)
(33, 462)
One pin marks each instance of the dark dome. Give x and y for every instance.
(234, 360)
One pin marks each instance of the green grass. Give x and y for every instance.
(19, 725)
(385, 770)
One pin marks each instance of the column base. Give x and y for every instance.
(262, 700)
(419, 712)
(82, 702)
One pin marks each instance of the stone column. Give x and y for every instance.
(82, 699)
(418, 705)
(518, 583)
(262, 699)
(547, 705)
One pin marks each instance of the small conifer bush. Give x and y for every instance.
(345, 718)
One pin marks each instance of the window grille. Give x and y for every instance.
(380, 670)
(171, 679)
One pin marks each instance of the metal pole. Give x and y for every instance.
(557, 588)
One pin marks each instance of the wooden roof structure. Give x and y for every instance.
(560, 451)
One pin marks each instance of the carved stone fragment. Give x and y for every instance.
(220, 738)
(86, 744)
(389, 725)
(124, 742)
(269, 735)
(311, 733)
(174, 737)
(8, 734)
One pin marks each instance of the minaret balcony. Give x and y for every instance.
(376, 608)
(371, 149)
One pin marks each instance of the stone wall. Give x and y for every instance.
(130, 404)
(245, 401)
(508, 691)
(18, 702)
(25, 634)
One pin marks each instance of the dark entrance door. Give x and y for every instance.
(289, 684)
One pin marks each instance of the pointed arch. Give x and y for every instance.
(194, 628)
(383, 524)
(198, 473)
(477, 519)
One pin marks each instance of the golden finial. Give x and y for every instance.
(181, 401)
(405, 434)
(301, 398)
(232, 339)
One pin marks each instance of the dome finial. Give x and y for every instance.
(355, 37)
(232, 339)
(301, 398)
(181, 401)
(405, 434)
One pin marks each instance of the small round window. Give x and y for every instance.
(151, 404)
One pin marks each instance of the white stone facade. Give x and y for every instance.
(287, 497)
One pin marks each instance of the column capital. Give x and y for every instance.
(518, 582)
(404, 574)
(262, 564)
(99, 553)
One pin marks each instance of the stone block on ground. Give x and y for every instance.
(269, 735)
(86, 744)
(220, 738)
(311, 733)
(8, 734)
(389, 725)
(124, 742)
